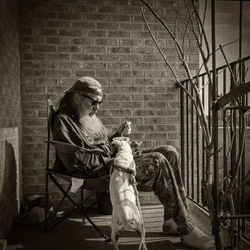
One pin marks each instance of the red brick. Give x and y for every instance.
(57, 40)
(144, 112)
(94, 49)
(120, 97)
(132, 104)
(84, 25)
(60, 56)
(75, 32)
(130, 42)
(141, 97)
(46, 32)
(101, 41)
(68, 16)
(44, 48)
(116, 65)
(108, 26)
(58, 24)
(95, 33)
(61, 73)
(94, 17)
(108, 74)
(44, 15)
(132, 74)
(80, 73)
(67, 49)
(119, 50)
(120, 112)
(119, 34)
(119, 18)
(83, 41)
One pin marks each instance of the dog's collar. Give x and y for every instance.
(127, 170)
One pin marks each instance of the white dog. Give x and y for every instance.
(126, 214)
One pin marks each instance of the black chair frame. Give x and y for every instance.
(51, 220)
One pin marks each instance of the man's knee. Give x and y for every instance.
(168, 151)
(159, 157)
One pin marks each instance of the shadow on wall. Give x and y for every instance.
(8, 191)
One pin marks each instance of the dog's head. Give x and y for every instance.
(122, 145)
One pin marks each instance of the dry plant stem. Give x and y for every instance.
(199, 108)
(227, 44)
(238, 162)
(202, 27)
(185, 31)
(229, 67)
(203, 21)
(190, 15)
(204, 58)
(229, 189)
(243, 183)
(186, 27)
(165, 26)
(158, 47)
(232, 212)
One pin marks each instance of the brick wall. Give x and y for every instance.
(10, 115)
(108, 40)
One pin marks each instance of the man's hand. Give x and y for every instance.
(125, 129)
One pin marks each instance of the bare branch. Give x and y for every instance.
(198, 105)
(229, 190)
(157, 45)
(202, 28)
(203, 21)
(165, 26)
(228, 65)
(243, 183)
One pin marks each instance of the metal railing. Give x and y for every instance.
(232, 124)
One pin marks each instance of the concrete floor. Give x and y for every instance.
(72, 234)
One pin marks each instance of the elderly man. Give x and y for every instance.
(75, 122)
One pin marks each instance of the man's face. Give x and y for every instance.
(89, 105)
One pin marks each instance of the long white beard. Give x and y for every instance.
(94, 126)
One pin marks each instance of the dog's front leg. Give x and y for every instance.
(115, 238)
(142, 237)
(114, 232)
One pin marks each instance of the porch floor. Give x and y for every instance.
(73, 235)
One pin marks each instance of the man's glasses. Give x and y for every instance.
(94, 102)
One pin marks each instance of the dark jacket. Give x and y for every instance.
(67, 128)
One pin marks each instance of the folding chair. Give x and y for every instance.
(95, 184)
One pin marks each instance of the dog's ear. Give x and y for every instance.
(115, 143)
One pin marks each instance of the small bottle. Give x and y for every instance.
(128, 127)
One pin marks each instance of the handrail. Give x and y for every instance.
(219, 68)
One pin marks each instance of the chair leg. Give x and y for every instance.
(56, 211)
(46, 208)
(78, 206)
(82, 199)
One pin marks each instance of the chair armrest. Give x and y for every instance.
(65, 147)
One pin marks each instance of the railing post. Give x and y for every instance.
(182, 135)
(216, 226)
